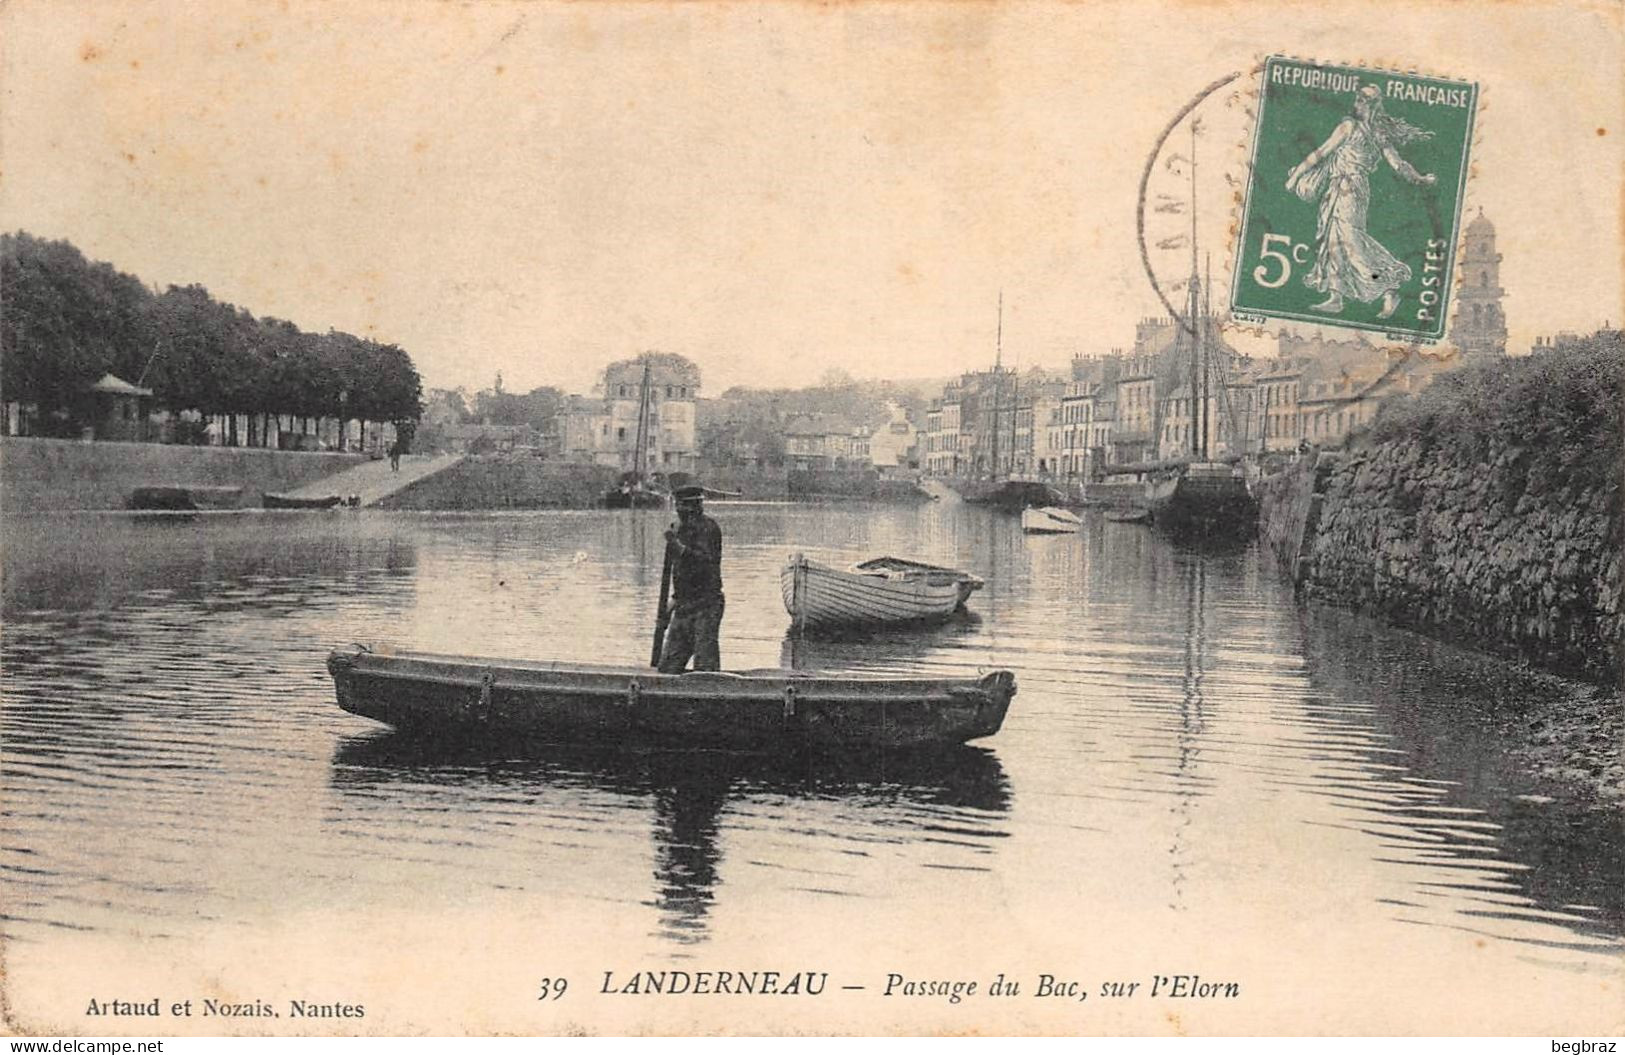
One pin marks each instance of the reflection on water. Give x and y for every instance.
(1482, 854)
(874, 649)
(688, 794)
(1187, 742)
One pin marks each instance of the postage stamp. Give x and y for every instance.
(1354, 198)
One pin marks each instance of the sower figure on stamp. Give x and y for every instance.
(1348, 261)
(695, 551)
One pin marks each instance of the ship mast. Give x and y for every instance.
(1211, 400)
(1015, 409)
(1193, 324)
(640, 446)
(998, 384)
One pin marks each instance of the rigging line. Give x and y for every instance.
(1150, 164)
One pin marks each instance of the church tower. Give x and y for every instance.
(1479, 328)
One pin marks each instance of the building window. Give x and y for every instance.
(620, 433)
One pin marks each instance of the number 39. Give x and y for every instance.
(553, 987)
(1261, 271)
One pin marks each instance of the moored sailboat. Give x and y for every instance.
(639, 489)
(1202, 497)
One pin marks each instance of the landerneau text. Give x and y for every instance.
(728, 983)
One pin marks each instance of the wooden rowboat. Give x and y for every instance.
(276, 501)
(1128, 516)
(879, 591)
(752, 710)
(188, 498)
(1050, 520)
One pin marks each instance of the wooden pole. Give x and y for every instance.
(663, 610)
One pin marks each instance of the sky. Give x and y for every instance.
(774, 190)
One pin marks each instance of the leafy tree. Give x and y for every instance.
(496, 407)
(541, 407)
(455, 399)
(67, 321)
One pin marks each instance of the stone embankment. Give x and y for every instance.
(503, 482)
(839, 485)
(1476, 549)
(54, 476)
(1486, 510)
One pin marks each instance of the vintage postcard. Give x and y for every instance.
(531, 518)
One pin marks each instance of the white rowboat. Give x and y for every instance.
(879, 591)
(1049, 520)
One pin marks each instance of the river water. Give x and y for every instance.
(1198, 775)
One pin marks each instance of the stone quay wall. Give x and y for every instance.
(835, 485)
(1289, 506)
(1463, 547)
(497, 482)
(1505, 534)
(756, 484)
(55, 476)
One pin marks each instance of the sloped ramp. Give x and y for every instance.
(372, 482)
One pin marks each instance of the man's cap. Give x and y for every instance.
(691, 493)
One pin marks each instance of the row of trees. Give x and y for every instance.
(539, 408)
(67, 321)
(748, 424)
(837, 394)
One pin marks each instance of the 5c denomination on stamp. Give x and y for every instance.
(1354, 198)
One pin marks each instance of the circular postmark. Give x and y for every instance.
(1165, 201)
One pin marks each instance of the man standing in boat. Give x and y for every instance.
(694, 546)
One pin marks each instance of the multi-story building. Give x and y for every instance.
(819, 441)
(944, 456)
(857, 446)
(1052, 442)
(1136, 406)
(889, 445)
(1133, 434)
(585, 428)
(1342, 384)
(986, 417)
(930, 457)
(1227, 412)
(1077, 414)
(606, 429)
(1279, 381)
(975, 422)
(1039, 445)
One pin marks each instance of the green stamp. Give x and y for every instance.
(1354, 198)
